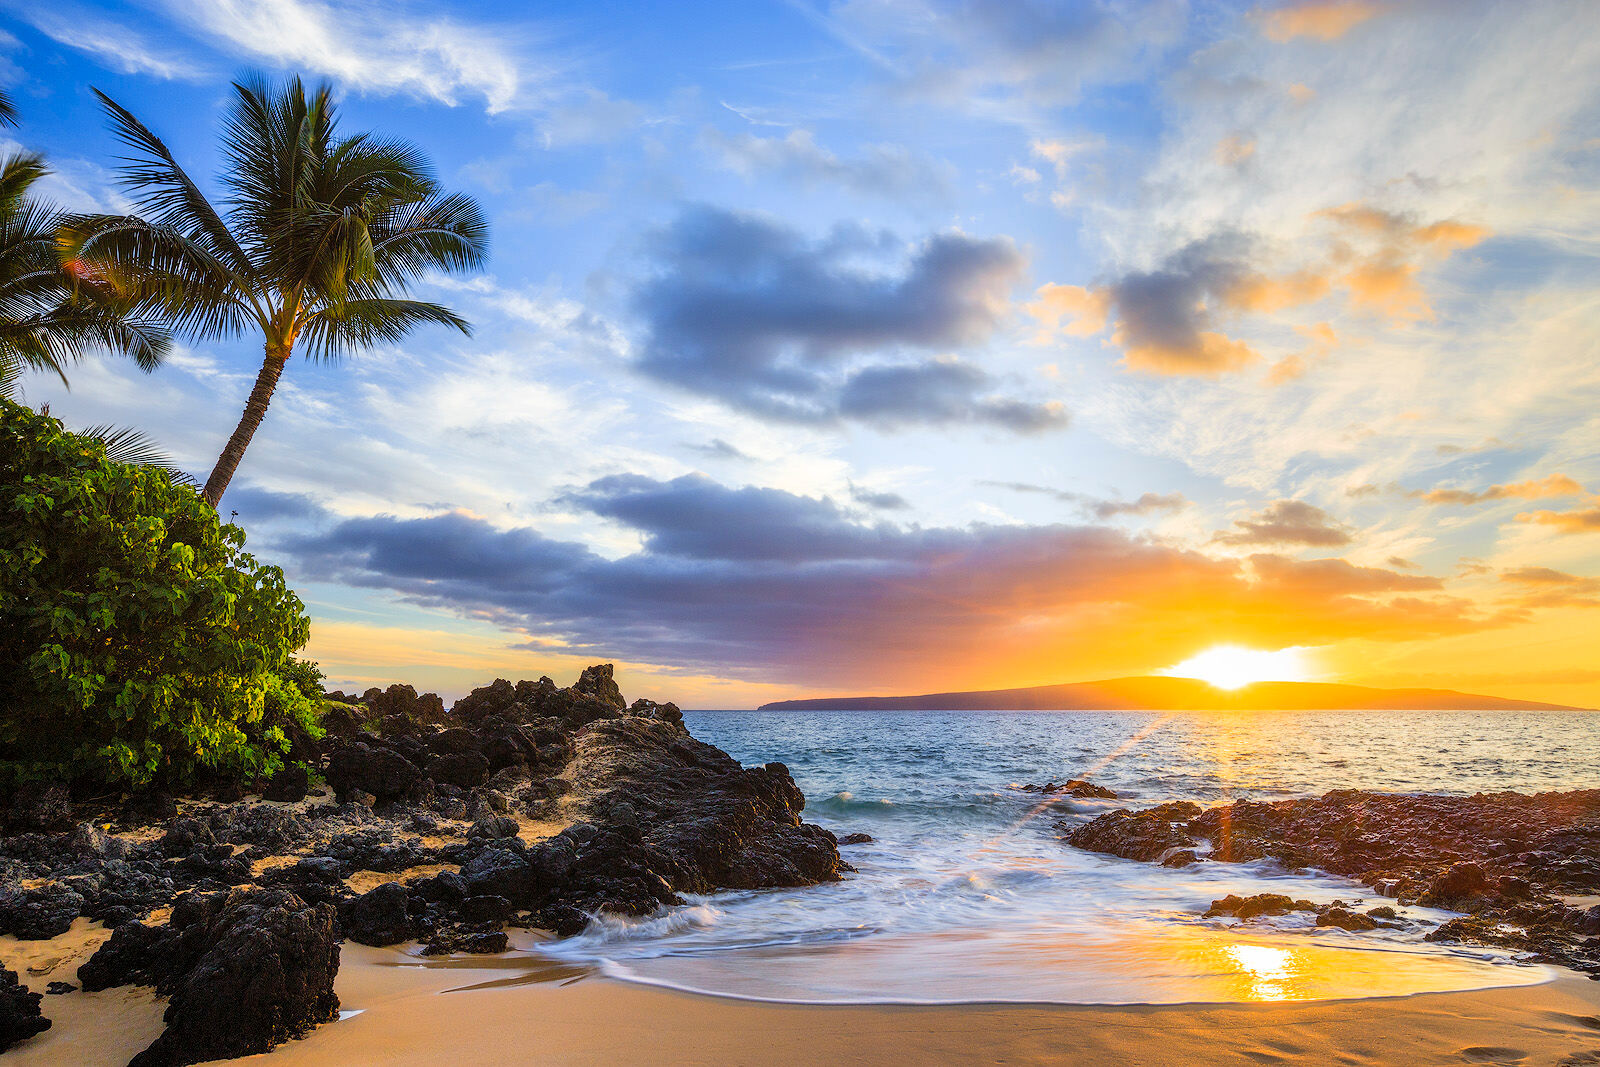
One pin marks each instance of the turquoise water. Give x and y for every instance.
(967, 895)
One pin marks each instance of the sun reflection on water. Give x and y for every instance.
(1266, 972)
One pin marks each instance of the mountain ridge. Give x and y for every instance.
(1162, 693)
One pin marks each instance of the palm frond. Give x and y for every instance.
(8, 109)
(336, 331)
(165, 192)
(124, 444)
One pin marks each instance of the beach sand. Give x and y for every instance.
(498, 1010)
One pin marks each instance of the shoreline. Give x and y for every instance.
(509, 1008)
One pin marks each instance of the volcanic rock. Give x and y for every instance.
(20, 1017)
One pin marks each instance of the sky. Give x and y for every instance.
(886, 346)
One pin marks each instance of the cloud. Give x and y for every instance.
(883, 501)
(1554, 485)
(1146, 504)
(116, 46)
(1286, 522)
(372, 48)
(1001, 56)
(717, 448)
(1584, 519)
(1167, 321)
(761, 583)
(882, 170)
(1545, 587)
(744, 309)
(1323, 20)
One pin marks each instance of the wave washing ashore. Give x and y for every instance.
(966, 892)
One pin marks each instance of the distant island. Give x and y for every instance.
(1177, 694)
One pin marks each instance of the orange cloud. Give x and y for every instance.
(1257, 292)
(1324, 20)
(1545, 587)
(1084, 309)
(1286, 370)
(1234, 149)
(1585, 519)
(1384, 278)
(1211, 354)
(1389, 287)
(1554, 485)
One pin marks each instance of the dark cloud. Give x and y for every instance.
(1286, 522)
(720, 449)
(766, 584)
(748, 311)
(883, 501)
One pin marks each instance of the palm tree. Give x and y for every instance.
(321, 237)
(50, 315)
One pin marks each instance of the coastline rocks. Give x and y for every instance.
(20, 1017)
(639, 812)
(1138, 835)
(1076, 787)
(1503, 858)
(380, 916)
(263, 976)
(1260, 904)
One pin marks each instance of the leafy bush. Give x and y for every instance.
(139, 642)
(304, 675)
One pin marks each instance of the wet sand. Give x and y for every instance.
(496, 1010)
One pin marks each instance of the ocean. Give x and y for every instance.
(966, 894)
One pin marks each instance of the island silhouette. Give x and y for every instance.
(1159, 693)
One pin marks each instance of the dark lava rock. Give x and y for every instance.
(1260, 904)
(1137, 835)
(1383, 911)
(461, 769)
(1344, 919)
(20, 1017)
(290, 784)
(492, 828)
(380, 771)
(403, 701)
(55, 989)
(183, 836)
(44, 807)
(1464, 887)
(1506, 858)
(1077, 787)
(597, 681)
(380, 916)
(40, 913)
(855, 839)
(245, 970)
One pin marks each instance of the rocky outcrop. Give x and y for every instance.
(436, 800)
(1076, 787)
(20, 1017)
(1503, 858)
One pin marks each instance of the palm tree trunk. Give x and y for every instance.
(255, 409)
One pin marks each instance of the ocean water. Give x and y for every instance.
(966, 893)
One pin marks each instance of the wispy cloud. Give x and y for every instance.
(378, 47)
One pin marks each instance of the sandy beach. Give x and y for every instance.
(495, 1010)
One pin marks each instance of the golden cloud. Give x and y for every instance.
(1554, 485)
(1212, 354)
(1084, 309)
(1323, 20)
(1584, 519)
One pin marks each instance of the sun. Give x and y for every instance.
(1230, 666)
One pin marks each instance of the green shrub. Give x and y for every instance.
(304, 675)
(139, 642)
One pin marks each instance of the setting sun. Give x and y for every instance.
(1231, 667)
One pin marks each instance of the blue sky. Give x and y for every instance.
(917, 344)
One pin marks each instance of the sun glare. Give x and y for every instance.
(1230, 667)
